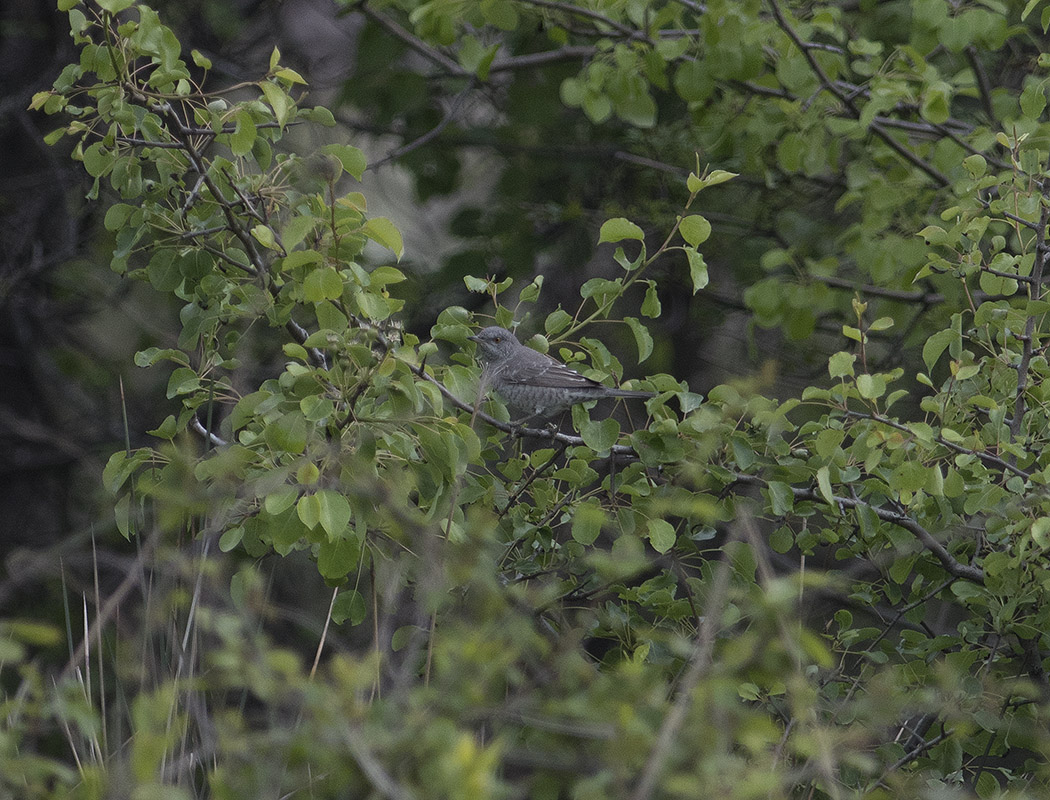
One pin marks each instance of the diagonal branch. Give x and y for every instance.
(988, 458)
(847, 100)
(940, 552)
(432, 54)
(582, 11)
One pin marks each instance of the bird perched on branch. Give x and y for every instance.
(531, 383)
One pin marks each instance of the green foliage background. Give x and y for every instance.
(820, 574)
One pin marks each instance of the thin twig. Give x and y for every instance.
(433, 133)
(324, 634)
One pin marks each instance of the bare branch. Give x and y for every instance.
(530, 60)
(983, 85)
(433, 133)
(414, 42)
(925, 298)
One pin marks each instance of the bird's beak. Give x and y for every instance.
(474, 338)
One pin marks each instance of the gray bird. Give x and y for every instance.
(534, 384)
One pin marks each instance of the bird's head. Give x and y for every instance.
(495, 343)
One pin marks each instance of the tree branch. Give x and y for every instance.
(940, 552)
(988, 458)
(847, 100)
(582, 11)
(1035, 287)
(414, 42)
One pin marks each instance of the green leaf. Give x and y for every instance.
(322, 284)
(976, 165)
(531, 292)
(230, 538)
(556, 322)
(384, 232)
(381, 276)
(316, 408)
(283, 106)
(167, 429)
(1041, 532)
(352, 159)
(290, 76)
(334, 512)
(651, 304)
(117, 215)
(183, 380)
(295, 230)
(154, 355)
(587, 522)
(600, 436)
(403, 636)
(871, 386)
(695, 229)
(372, 305)
(318, 115)
(936, 102)
(642, 338)
(122, 466)
(288, 433)
(824, 483)
(307, 474)
(164, 271)
(309, 510)
(602, 288)
(697, 269)
(276, 503)
(935, 346)
(1033, 100)
(301, 258)
(781, 498)
(717, 176)
(840, 365)
(782, 540)
(662, 535)
(616, 230)
(349, 606)
(264, 236)
(336, 558)
(97, 160)
(115, 6)
(693, 82)
(243, 136)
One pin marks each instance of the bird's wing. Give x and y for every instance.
(542, 371)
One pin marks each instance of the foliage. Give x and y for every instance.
(610, 612)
